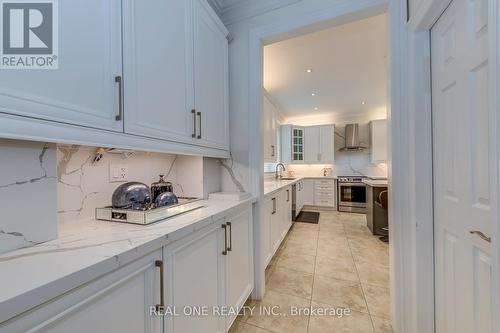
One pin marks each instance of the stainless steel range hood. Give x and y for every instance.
(352, 138)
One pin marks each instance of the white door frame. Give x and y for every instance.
(410, 161)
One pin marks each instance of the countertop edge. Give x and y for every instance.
(26, 301)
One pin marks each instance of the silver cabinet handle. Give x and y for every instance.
(224, 252)
(272, 151)
(481, 235)
(119, 80)
(160, 307)
(230, 247)
(274, 206)
(287, 195)
(199, 115)
(193, 111)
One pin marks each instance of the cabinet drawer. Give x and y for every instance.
(323, 194)
(325, 202)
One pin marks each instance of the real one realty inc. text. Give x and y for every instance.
(271, 310)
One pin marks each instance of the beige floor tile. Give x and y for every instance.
(297, 261)
(304, 246)
(339, 293)
(291, 282)
(354, 322)
(339, 268)
(284, 323)
(378, 257)
(378, 300)
(333, 248)
(269, 272)
(372, 273)
(305, 226)
(240, 327)
(382, 325)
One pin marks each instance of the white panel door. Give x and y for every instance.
(311, 147)
(308, 192)
(195, 278)
(239, 261)
(83, 90)
(210, 78)
(378, 132)
(266, 230)
(158, 69)
(463, 156)
(326, 144)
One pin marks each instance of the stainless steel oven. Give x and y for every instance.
(351, 194)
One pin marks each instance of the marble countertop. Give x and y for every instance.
(272, 185)
(380, 182)
(86, 250)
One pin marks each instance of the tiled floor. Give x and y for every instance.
(337, 264)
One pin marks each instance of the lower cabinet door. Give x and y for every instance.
(118, 302)
(239, 268)
(194, 280)
(266, 230)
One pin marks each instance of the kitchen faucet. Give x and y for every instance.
(280, 175)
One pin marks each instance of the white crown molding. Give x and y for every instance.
(246, 9)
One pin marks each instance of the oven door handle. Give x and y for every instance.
(353, 184)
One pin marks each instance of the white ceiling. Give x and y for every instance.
(349, 66)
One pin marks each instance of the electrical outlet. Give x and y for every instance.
(118, 173)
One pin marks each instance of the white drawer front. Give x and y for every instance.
(323, 193)
(324, 202)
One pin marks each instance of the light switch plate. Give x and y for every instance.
(118, 173)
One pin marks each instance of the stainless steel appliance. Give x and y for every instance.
(351, 136)
(351, 194)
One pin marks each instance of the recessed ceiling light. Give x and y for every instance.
(313, 94)
(363, 102)
(316, 109)
(309, 70)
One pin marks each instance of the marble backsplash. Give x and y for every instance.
(28, 193)
(83, 184)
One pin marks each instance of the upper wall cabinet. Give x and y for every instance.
(270, 132)
(158, 69)
(378, 137)
(292, 144)
(211, 77)
(82, 91)
(169, 93)
(311, 145)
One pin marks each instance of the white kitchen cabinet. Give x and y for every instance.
(212, 268)
(299, 201)
(195, 277)
(292, 144)
(378, 137)
(211, 77)
(308, 192)
(324, 193)
(270, 132)
(82, 91)
(277, 221)
(267, 254)
(170, 96)
(116, 302)
(240, 271)
(311, 147)
(319, 144)
(158, 78)
(326, 144)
